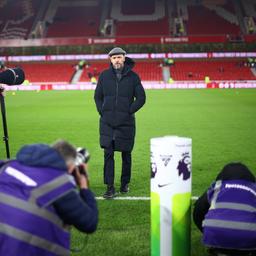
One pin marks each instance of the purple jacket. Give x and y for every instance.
(32, 189)
(231, 219)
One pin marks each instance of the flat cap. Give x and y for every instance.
(116, 51)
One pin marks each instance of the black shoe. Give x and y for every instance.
(110, 193)
(124, 188)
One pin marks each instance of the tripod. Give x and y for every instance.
(5, 138)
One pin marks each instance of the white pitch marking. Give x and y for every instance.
(135, 198)
(143, 198)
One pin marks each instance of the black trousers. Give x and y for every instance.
(109, 166)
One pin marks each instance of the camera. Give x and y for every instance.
(82, 157)
(12, 76)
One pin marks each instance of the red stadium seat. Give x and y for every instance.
(48, 72)
(186, 70)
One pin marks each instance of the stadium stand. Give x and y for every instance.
(84, 18)
(81, 23)
(203, 21)
(186, 70)
(75, 21)
(195, 70)
(62, 72)
(148, 71)
(216, 70)
(17, 18)
(98, 66)
(249, 8)
(138, 28)
(48, 72)
(148, 18)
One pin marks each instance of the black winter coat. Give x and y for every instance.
(117, 102)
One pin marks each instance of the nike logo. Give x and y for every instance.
(164, 185)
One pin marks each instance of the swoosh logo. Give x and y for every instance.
(164, 185)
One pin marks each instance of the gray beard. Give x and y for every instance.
(120, 67)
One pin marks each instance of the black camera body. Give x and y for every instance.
(12, 76)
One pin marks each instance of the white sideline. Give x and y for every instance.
(135, 198)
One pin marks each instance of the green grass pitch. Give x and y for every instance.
(221, 123)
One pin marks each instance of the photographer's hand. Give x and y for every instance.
(81, 179)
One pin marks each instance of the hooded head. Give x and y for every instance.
(240, 171)
(61, 155)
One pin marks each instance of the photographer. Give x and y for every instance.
(226, 212)
(39, 200)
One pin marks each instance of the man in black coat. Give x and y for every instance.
(118, 95)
